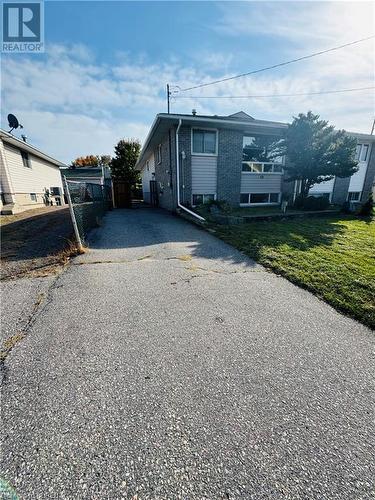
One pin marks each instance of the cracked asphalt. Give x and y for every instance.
(164, 364)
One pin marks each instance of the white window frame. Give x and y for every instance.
(25, 159)
(34, 197)
(367, 152)
(358, 154)
(264, 163)
(207, 130)
(350, 192)
(273, 203)
(201, 194)
(158, 154)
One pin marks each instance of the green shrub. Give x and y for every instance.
(311, 203)
(367, 207)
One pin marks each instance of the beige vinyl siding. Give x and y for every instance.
(260, 183)
(203, 174)
(41, 175)
(5, 183)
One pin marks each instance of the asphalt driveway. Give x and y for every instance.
(164, 364)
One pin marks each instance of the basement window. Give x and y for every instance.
(259, 198)
(25, 159)
(200, 199)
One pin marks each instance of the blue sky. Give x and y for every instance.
(106, 64)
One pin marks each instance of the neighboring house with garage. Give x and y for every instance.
(226, 158)
(29, 178)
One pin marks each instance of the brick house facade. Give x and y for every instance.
(210, 153)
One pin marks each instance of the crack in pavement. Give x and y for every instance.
(42, 301)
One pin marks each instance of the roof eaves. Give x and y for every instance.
(15, 141)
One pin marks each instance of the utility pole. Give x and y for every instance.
(373, 127)
(168, 98)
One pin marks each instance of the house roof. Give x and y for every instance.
(239, 120)
(163, 122)
(25, 146)
(82, 172)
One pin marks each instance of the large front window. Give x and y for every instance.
(259, 155)
(259, 198)
(204, 141)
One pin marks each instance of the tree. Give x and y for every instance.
(123, 165)
(104, 160)
(91, 161)
(316, 152)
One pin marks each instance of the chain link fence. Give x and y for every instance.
(88, 204)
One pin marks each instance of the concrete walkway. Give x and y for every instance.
(164, 364)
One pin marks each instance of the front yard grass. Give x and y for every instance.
(333, 257)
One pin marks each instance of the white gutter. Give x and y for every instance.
(178, 176)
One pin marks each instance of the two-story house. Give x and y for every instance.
(192, 159)
(29, 178)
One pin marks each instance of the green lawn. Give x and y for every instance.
(334, 257)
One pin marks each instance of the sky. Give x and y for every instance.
(106, 64)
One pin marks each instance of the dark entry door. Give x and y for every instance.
(154, 200)
(122, 194)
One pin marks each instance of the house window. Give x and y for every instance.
(274, 197)
(158, 154)
(259, 198)
(361, 152)
(260, 168)
(261, 149)
(204, 142)
(364, 152)
(33, 197)
(55, 191)
(200, 199)
(147, 166)
(25, 159)
(354, 196)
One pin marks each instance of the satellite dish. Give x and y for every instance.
(13, 122)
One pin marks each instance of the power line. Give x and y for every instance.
(278, 65)
(271, 95)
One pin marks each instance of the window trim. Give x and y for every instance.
(264, 163)
(351, 192)
(158, 154)
(203, 195)
(25, 155)
(361, 146)
(273, 203)
(208, 130)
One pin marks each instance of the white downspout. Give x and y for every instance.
(178, 176)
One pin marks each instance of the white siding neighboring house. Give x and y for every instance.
(25, 175)
(147, 175)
